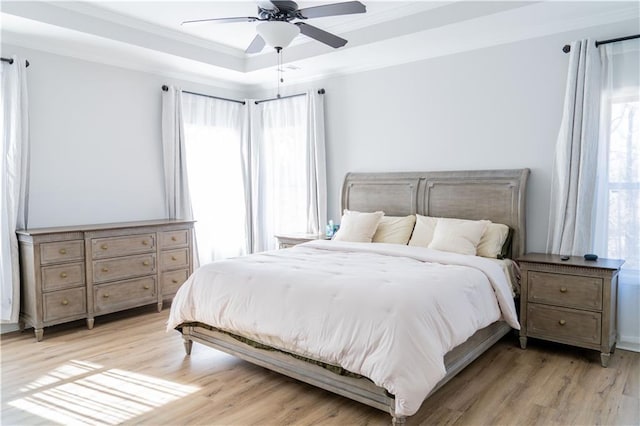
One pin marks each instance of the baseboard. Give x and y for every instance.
(629, 343)
(8, 328)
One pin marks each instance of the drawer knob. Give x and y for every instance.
(146, 287)
(563, 289)
(104, 247)
(105, 295)
(145, 263)
(174, 281)
(63, 275)
(145, 242)
(174, 238)
(65, 302)
(173, 258)
(62, 251)
(562, 322)
(105, 269)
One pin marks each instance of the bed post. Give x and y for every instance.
(395, 419)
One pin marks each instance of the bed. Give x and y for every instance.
(496, 195)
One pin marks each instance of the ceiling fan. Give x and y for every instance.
(277, 30)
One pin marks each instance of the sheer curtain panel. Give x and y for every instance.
(618, 215)
(217, 156)
(14, 170)
(288, 168)
(573, 179)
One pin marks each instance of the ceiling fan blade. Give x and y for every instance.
(267, 5)
(346, 8)
(256, 45)
(321, 35)
(223, 20)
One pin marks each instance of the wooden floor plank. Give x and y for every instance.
(129, 370)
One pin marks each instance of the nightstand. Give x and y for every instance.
(572, 302)
(290, 240)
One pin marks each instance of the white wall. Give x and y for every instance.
(96, 152)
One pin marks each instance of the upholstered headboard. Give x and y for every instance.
(496, 195)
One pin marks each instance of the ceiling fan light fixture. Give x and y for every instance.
(278, 34)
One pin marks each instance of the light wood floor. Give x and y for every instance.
(129, 370)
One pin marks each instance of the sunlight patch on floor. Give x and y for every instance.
(85, 393)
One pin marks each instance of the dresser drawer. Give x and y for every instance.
(171, 281)
(565, 290)
(63, 251)
(123, 246)
(124, 294)
(62, 276)
(64, 304)
(173, 239)
(174, 259)
(564, 325)
(123, 267)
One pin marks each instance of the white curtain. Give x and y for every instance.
(618, 214)
(288, 168)
(178, 200)
(14, 171)
(573, 180)
(216, 153)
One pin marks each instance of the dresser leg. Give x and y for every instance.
(523, 342)
(604, 359)
(159, 306)
(39, 332)
(90, 322)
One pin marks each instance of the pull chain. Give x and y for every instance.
(280, 79)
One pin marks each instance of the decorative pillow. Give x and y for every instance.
(358, 227)
(394, 229)
(423, 231)
(492, 240)
(457, 235)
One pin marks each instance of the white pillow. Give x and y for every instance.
(394, 229)
(457, 235)
(492, 240)
(358, 227)
(423, 231)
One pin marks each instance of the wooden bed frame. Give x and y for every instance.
(497, 195)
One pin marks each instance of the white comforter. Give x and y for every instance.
(385, 311)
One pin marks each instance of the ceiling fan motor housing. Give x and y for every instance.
(283, 11)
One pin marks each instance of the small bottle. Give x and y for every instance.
(329, 232)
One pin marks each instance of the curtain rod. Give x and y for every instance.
(320, 92)
(567, 48)
(166, 88)
(10, 61)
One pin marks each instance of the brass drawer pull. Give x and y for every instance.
(174, 281)
(563, 289)
(105, 295)
(65, 302)
(146, 287)
(145, 263)
(173, 258)
(562, 322)
(145, 242)
(62, 251)
(104, 247)
(105, 269)
(174, 238)
(63, 275)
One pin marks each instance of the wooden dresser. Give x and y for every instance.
(76, 272)
(572, 302)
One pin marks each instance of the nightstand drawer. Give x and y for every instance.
(571, 291)
(564, 325)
